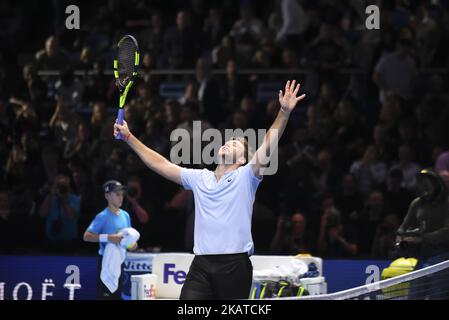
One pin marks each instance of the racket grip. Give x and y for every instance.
(120, 117)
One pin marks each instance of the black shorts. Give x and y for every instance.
(103, 292)
(223, 276)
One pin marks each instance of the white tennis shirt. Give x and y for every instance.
(223, 209)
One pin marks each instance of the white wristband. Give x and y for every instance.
(103, 238)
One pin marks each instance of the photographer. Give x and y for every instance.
(424, 233)
(61, 209)
(137, 207)
(291, 236)
(335, 240)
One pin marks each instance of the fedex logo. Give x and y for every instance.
(169, 271)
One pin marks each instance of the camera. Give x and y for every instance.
(132, 192)
(62, 188)
(286, 225)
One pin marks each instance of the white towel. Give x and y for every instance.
(113, 257)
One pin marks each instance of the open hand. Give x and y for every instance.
(288, 99)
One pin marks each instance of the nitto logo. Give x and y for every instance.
(169, 271)
(138, 266)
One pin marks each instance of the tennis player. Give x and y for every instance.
(221, 268)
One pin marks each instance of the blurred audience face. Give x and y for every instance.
(86, 55)
(348, 182)
(245, 13)
(239, 120)
(326, 32)
(143, 92)
(134, 185)
(156, 21)
(148, 60)
(230, 68)
(289, 59)
(202, 70)
(272, 109)
(181, 20)
(370, 154)
(248, 105)
(299, 224)
(345, 113)
(83, 132)
(405, 154)
(50, 47)
(324, 159)
(98, 112)
(376, 198)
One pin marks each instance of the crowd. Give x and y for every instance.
(376, 112)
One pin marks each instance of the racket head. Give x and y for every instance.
(126, 61)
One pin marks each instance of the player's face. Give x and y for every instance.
(231, 152)
(116, 198)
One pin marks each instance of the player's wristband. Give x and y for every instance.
(103, 238)
(127, 137)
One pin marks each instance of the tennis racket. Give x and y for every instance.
(126, 63)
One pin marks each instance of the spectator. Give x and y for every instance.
(368, 171)
(397, 197)
(349, 201)
(326, 176)
(374, 211)
(208, 91)
(384, 239)
(69, 89)
(51, 57)
(335, 240)
(180, 43)
(152, 39)
(64, 124)
(37, 89)
(190, 94)
(77, 148)
(138, 208)
(294, 24)
(384, 143)
(98, 118)
(224, 52)
(290, 59)
(154, 136)
(396, 72)
(292, 236)
(327, 52)
(233, 88)
(246, 31)
(213, 28)
(86, 59)
(61, 209)
(409, 168)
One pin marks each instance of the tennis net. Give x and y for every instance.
(430, 283)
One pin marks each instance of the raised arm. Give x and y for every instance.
(288, 101)
(152, 159)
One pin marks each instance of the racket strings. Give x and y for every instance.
(126, 59)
